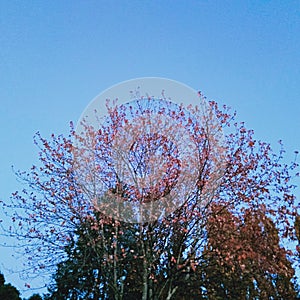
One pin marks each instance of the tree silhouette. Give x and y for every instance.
(35, 297)
(7, 291)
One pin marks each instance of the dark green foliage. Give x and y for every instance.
(7, 291)
(35, 297)
(89, 270)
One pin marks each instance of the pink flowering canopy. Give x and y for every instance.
(139, 160)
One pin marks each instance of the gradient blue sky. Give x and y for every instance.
(55, 56)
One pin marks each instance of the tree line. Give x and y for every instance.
(233, 236)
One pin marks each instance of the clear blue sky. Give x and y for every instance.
(55, 56)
